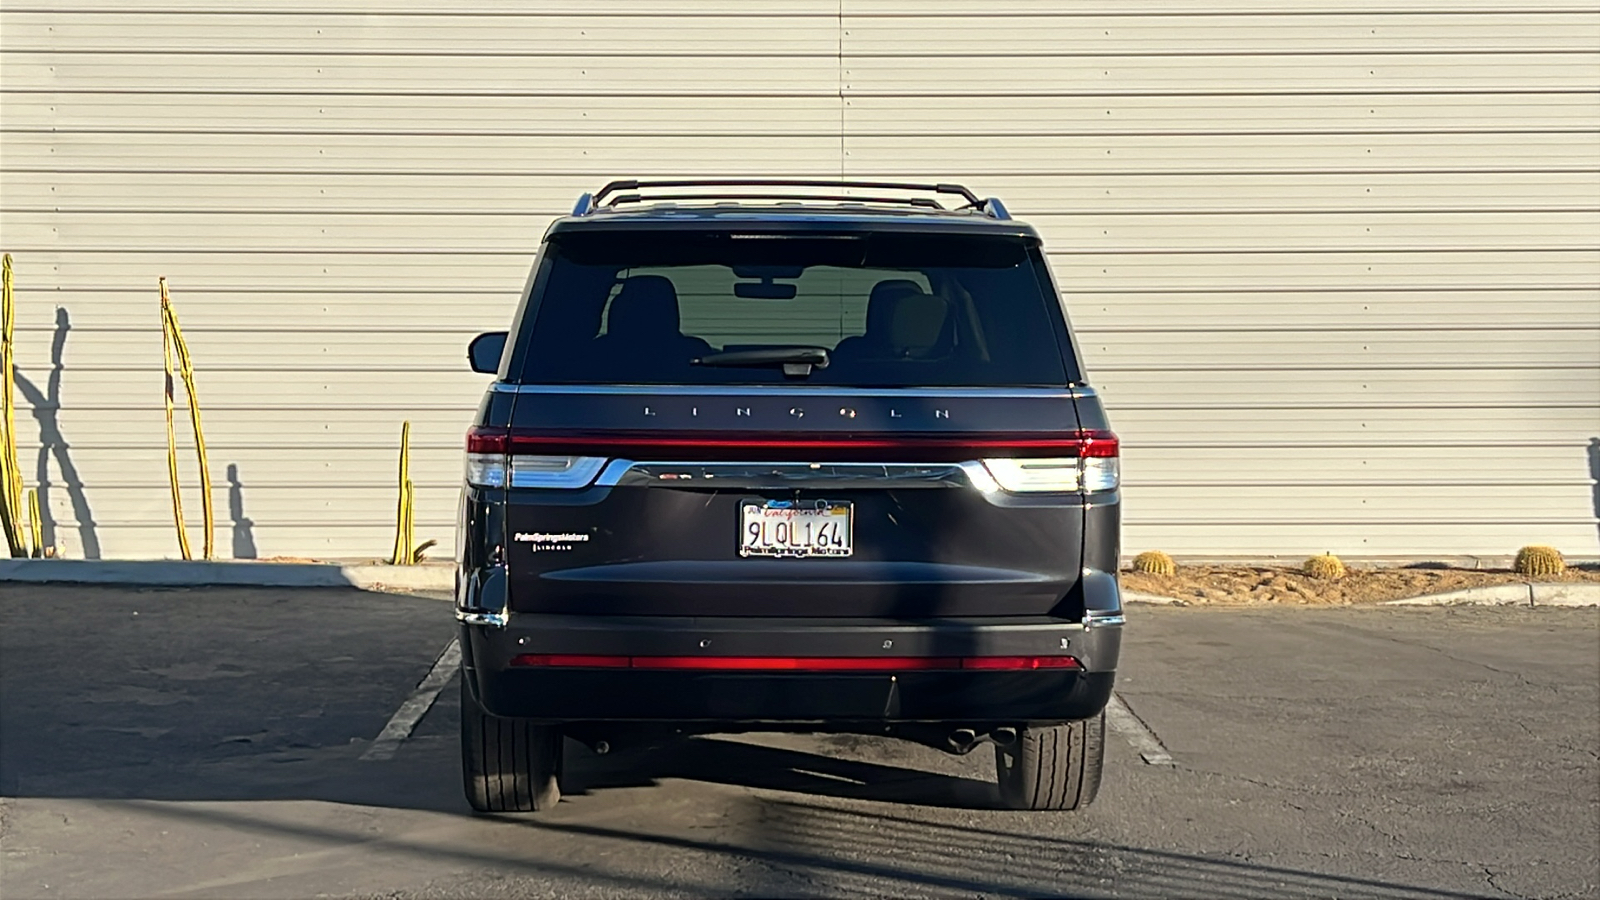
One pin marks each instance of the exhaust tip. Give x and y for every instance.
(962, 739)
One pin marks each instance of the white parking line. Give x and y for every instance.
(416, 706)
(1124, 722)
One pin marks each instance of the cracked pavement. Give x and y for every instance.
(206, 742)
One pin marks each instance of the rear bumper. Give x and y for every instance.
(620, 694)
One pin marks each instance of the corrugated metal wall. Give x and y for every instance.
(1336, 265)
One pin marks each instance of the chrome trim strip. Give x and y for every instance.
(790, 472)
(787, 390)
(978, 474)
(491, 619)
(613, 472)
(579, 475)
(1096, 619)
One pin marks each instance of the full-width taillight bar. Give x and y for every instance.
(794, 663)
(806, 447)
(1017, 463)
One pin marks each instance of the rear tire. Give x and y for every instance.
(507, 765)
(1054, 767)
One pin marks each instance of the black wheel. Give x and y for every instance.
(507, 765)
(1055, 767)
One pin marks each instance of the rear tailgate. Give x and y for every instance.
(658, 532)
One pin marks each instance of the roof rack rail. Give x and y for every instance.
(923, 202)
(588, 203)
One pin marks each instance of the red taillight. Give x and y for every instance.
(795, 663)
(800, 446)
(1097, 445)
(483, 439)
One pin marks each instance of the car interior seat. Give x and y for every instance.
(642, 326)
(876, 342)
(903, 323)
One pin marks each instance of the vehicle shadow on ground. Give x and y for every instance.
(805, 849)
(841, 851)
(805, 843)
(740, 764)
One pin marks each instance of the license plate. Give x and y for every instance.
(794, 528)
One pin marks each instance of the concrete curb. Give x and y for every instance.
(1140, 597)
(1454, 561)
(1492, 595)
(435, 577)
(197, 573)
(1537, 594)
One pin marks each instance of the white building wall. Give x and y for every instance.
(1336, 266)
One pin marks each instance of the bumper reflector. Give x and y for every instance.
(795, 663)
(571, 661)
(1020, 662)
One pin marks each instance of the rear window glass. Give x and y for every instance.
(888, 309)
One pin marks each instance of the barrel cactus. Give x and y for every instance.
(1154, 562)
(1326, 566)
(1536, 561)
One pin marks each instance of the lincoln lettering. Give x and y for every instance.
(796, 412)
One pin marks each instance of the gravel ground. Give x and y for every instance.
(1253, 585)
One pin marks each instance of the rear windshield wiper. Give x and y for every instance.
(796, 361)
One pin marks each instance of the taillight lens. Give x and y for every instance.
(487, 470)
(1022, 475)
(1101, 473)
(482, 439)
(489, 465)
(555, 471)
(1087, 461)
(1095, 468)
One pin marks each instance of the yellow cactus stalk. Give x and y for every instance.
(405, 523)
(1326, 566)
(36, 527)
(175, 352)
(1154, 562)
(1537, 560)
(11, 510)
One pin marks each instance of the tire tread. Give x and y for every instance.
(507, 765)
(1056, 767)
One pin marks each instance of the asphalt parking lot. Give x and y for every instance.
(210, 743)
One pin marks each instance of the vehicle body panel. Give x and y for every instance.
(644, 560)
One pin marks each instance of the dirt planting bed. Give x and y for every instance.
(1247, 585)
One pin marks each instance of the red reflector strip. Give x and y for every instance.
(794, 663)
(571, 660)
(1020, 662)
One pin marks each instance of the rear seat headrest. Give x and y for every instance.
(647, 306)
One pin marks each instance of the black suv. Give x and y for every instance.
(788, 456)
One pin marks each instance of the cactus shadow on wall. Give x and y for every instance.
(46, 411)
(244, 537)
(1594, 473)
